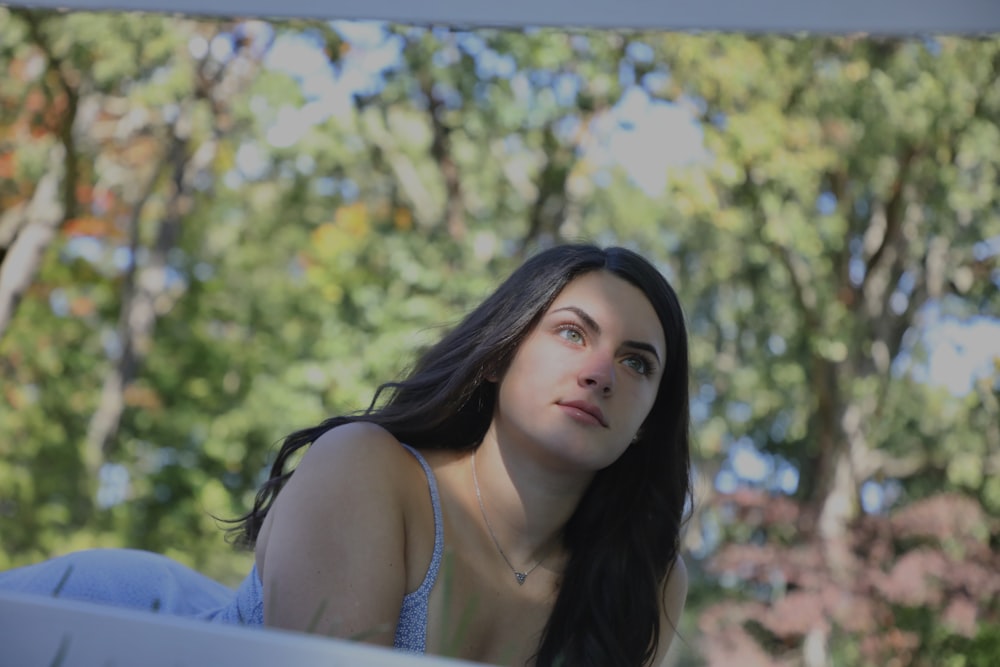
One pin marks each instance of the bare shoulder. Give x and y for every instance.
(361, 444)
(334, 551)
(354, 464)
(675, 588)
(360, 438)
(348, 462)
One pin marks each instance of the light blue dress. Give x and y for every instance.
(144, 580)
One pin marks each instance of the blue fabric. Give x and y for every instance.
(144, 580)
(411, 631)
(121, 578)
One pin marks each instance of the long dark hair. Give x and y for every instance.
(624, 537)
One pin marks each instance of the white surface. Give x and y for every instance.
(33, 630)
(874, 16)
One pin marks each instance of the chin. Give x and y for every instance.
(587, 458)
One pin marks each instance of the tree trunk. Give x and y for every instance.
(42, 218)
(146, 293)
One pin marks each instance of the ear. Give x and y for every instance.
(491, 374)
(494, 370)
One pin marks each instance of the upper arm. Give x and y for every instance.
(334, 560)
(674, 594)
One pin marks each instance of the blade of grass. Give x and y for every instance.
(314, 622)
(61, 652)
(62, 581)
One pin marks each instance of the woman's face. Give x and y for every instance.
(584, 379)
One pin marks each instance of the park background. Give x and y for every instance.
(213, 232)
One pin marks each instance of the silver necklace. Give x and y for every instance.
(520, 576)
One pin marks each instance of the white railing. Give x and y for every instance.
(40, 631)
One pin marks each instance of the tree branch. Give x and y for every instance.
(894, 211)
(549, 206)
(56, 67)
(42, 218)
(54, 199)
(146, 291)
(441, 151)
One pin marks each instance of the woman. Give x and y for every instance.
(517, 499)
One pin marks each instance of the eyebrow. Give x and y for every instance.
(592, 324)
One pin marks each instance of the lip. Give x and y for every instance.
(588, 409)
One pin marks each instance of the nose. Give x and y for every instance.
(599, 375)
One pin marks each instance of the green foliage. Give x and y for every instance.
(848, 185)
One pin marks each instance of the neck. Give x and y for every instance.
(524, 504)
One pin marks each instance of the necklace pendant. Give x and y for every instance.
(520, 576)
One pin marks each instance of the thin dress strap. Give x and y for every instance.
(411, 631)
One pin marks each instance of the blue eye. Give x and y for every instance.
(572, 334)
(639, 365)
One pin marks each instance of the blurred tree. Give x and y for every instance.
(850, 196)
(126, 118)
(204, 248)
